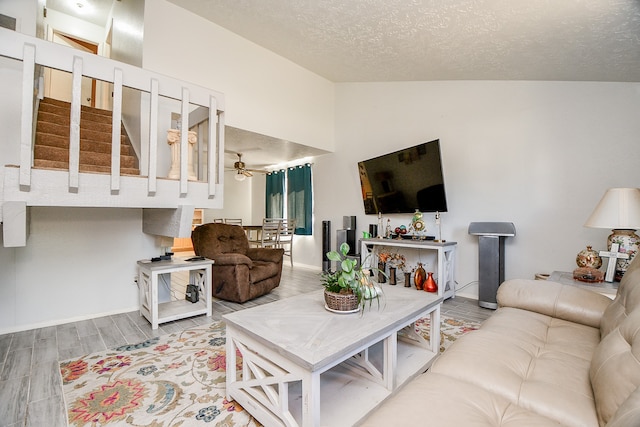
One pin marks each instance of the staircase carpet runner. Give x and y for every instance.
(51, 149)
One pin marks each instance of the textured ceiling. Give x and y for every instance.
(93, 11)
(404, 40)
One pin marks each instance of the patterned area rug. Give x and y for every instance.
(173, 380)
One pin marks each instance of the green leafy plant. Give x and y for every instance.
(351, 279)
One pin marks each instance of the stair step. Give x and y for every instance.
(47, 134)
(52, 164)
(86, 142)
(86, 122)
(42, 152)
(50, 104)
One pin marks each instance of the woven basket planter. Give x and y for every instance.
(340, 302)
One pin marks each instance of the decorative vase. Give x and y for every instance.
(430, 284)
(629, 243)
(407, 280)
(381, 269)
(392, 275)
(588, 258)
(419, 277)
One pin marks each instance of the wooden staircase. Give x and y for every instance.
(51, 149)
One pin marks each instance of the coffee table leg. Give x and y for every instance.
(311, 400)
(390, 361)
(231, 362)
(435, 330)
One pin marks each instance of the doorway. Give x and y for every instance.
(58, 83)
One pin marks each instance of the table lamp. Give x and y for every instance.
(619, 210)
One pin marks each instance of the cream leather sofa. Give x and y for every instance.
(551, 354)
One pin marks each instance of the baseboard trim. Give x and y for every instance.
(66, 320)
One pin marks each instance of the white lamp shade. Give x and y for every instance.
(240, 176)
(619, 208)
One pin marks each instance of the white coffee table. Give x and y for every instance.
(305, 366)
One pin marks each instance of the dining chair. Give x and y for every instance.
(218, 220)
(233, 221)
(285, 237)
(270, 234)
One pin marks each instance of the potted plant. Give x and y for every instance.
(349, 289)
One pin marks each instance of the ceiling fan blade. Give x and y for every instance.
(247, 173)
(257, 170)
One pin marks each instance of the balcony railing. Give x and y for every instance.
(47, 188)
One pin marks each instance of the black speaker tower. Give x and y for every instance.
(326, 245)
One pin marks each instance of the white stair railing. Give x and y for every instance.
(35, 52)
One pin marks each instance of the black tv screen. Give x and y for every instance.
(403, 181)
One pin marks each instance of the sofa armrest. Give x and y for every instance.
(231, 259)
(554, 299)
(266, 254)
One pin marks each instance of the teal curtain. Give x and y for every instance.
(275, 194)
(300, 198)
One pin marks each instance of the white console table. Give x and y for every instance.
(443, 252)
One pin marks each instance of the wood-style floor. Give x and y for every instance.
(30, 383)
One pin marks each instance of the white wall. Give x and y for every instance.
(237, 200)
(78, 263)
(58, 21)
(24, 12)
(264, 92)
(539, 154)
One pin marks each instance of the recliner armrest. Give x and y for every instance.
(231, 259)
(266, 254)
(554, 299)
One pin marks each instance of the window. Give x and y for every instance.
(275, 194)
(298, 204)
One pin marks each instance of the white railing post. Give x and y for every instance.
(212, 149)
(184, 141)
(116, 124)
(74, 131)
(220, 154)
(153, 138)
(26, 120)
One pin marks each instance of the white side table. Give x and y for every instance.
(566, 277)
(199, 275)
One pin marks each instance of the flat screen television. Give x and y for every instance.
(403, 181)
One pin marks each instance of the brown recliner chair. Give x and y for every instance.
(240, 273)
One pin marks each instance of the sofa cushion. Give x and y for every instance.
(554, 299)
(615, 369)
(438, 400)
(627, 299)
(534, 361)
(629, 412)
(263, 270)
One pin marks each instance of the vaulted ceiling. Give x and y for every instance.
(403, 40)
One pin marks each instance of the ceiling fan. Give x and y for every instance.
(241, 170)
